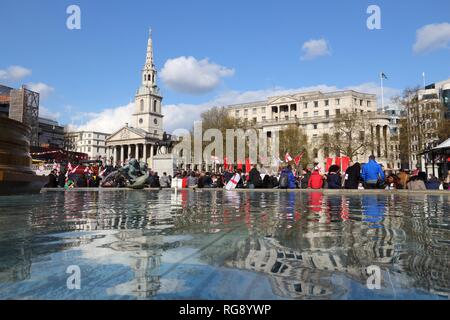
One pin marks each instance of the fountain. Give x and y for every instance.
(16, 176)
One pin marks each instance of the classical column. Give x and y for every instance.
(129, 155)
(122, 154)
(386, 145)
(114, 154)
(151, 155)
(144, 152)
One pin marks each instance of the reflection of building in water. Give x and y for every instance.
(16, 265)
(145, 258)
(293, 274)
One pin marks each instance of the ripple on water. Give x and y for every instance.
(264, 245)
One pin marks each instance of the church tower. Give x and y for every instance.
(148, 114)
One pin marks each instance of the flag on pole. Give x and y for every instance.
(298, 158)
(288, 157)
(103, 172)
(383, 76)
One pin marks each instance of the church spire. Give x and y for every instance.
(149, 72)
(149, 60)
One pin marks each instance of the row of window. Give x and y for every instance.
(96, 142)
(293, 107)
(305, 115)
(89, 149)
(89, 135)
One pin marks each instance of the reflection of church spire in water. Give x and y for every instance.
(145, 258)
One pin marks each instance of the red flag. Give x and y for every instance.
(345, 162)
(338, 162)
(247, 165)
(329, 163)
(298, 158)
(225, 162)
(239, 166)
(288, 157)
(230, 167)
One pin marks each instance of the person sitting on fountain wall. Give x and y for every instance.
(62, 179)
(192, 180)
(315, 180)
(334, 178)
(52, 180)
(164, 181)
(372, 174)
(255, 180)
(417, 182)
(433, 183)
(352, 176)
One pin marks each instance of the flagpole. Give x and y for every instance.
(423, 76)
(382, 93)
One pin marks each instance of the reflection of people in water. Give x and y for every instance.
(315, 200)
(374, 211)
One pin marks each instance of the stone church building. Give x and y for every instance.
(145, 137)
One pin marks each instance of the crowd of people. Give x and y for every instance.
(367, 176)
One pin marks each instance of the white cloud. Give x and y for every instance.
(48, 114)
(43, 89)
(189, 75)
(315, 48)
(107, 121)
(432, 37)
(374, 88)
(182, 115)
(14, 73)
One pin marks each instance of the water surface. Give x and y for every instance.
(224, 245)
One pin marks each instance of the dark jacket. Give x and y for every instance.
(255, 178)
(61, 180)
(52, 182)
(305, 180)
(291, 178)
(204, 182)
(227, 176)
(433, 184)
(334, 181)
(352, 176)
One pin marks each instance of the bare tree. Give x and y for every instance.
(294, 141)
(348, 136)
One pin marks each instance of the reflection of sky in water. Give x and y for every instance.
(215, 245)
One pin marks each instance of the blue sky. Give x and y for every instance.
(254, 49)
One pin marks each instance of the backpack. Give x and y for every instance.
(284, 181)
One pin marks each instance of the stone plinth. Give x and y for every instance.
(164, 163)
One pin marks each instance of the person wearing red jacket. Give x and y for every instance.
(315, 181)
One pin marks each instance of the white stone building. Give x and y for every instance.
(314, 112)
(90, 142)
(422, 119)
